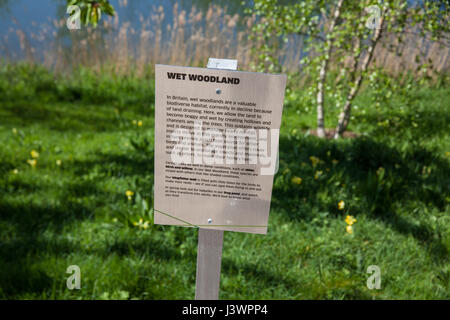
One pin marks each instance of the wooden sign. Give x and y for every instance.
(216, 143)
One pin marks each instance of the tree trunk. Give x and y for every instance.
(344, 116)
(323, 73)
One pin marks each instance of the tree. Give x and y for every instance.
(345, 33)
(90, 10)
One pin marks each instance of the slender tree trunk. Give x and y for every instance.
(354, 66)
(344, 116)
(323, 73)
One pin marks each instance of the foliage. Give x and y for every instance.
(341, 33)
(91, 10)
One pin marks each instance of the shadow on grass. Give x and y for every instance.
(117, 165)
(251, 271)
(18, 277)
(357, 174)
(60, 116)
(271, 279)
(24, 223)
(19, 255)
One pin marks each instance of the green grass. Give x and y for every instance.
(77, 213)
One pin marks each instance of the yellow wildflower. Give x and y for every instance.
(296, 180)
(32, 163)
(318, 174)
(141, 224)
(447, 154)
(135, 122)
(139, 123)
(350, 220)
(34, 154)
(129, 194)
(14, 130)
(15, 171)
(349, 229)
(58, 162)
(341, 205)
(314, 160)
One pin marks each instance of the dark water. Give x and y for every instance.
(39, 11)
(32, 15)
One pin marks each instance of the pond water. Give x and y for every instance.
(31, 15)
(25, 12)
(181, 32)
(24, 22)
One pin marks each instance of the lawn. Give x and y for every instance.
(92, 136)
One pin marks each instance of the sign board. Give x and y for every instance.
(216, 142)
(226, 64)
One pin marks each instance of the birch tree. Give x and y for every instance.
(343, 34)
(323, 71)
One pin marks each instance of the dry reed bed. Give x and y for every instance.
(189, 39)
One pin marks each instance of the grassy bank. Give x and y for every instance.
(92, 137)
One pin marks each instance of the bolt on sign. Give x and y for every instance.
(216, 145)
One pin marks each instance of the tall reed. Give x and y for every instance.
(189, 39)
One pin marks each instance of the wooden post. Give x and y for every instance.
(210, 242)
(209, 260)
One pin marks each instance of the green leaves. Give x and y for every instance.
(350, 41)
(91, 11)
